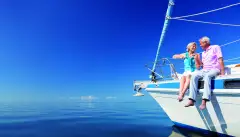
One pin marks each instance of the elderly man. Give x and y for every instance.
(212, 66)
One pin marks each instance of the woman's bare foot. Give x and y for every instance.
(190, 103)
(180, 97)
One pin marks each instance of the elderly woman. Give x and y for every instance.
(191, 62)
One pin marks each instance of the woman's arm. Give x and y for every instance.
(179, 56)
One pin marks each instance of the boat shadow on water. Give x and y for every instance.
(188, 132)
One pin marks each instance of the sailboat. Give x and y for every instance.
(221, 115)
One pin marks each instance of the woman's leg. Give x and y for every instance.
(186, 85)
(182, 83)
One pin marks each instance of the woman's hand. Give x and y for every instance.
(174, 56)
(180, 56)
(195, 56)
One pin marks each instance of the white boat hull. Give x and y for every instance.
(221, 114)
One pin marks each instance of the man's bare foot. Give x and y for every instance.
(190, 103)
(203, 105)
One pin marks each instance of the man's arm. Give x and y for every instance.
(220, 60)
(198, 61)
(222, 71)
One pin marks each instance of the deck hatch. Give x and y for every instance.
(232, 84)
(201, 84)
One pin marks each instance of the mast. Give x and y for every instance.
(166, 22)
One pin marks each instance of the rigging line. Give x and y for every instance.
(223, 45)
(220, 46)
(226, 44)
(227, 60)
(206, 11)
(214, 23)
(155, 73)
(232, 59)
(229, 43)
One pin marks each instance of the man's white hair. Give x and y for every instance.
(205, 39)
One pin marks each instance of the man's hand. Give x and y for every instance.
(221, 74)
(222, 71)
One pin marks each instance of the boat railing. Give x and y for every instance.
(160, 72)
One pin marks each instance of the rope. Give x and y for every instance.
(232, 59)
(228, 60)
(226, 44)
(166, 22)
(215, 23)
(155, 73)
(229, 43)
(206, 11)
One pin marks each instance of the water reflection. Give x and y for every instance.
(89, 118)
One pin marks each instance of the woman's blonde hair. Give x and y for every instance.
(190, 45)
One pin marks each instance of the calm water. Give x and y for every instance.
(86, 119)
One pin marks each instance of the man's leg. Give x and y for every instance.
(207, 86)
(193, 88)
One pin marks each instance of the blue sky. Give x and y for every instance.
(71, 48)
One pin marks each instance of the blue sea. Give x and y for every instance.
(76, 118)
